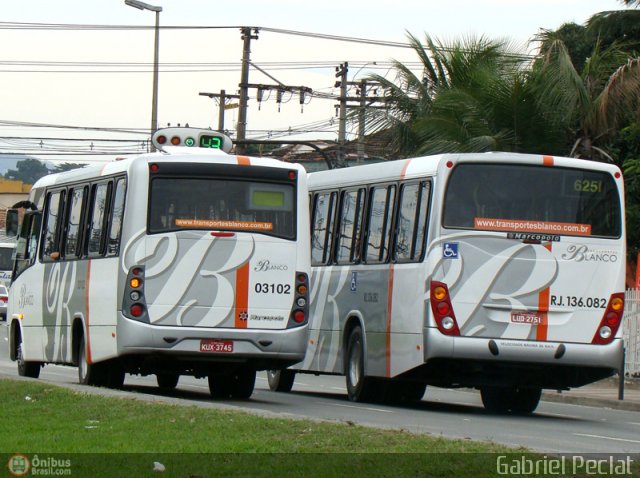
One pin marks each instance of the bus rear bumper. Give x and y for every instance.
(257, 348)
(471, 361)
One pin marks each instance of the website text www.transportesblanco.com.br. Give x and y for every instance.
(532, 226)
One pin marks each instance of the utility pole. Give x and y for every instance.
(244, 86)
(222, 102)
(361, 119)
(341, 72)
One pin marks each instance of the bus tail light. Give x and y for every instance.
(611, 320)
(443, 310)
(300, 313)
(134, 305)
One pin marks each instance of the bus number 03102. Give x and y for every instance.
(269, 288)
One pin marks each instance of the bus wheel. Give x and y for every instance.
(27, 369)
(496, 399)
(281, 380)
(244, 381)
(114, 375)
(359, 387)
(89, 374)
(414, 391)
(239, 384)
(219, 386)
(167, 381)
(516, 400)
(526, 400)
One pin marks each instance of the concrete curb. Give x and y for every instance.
(579, 399)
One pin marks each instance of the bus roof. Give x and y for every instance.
(428, 166)
(172, 155)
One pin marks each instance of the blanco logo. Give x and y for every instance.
(265, 265)
(24, 297)
(581, 253)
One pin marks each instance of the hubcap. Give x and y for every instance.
(354, 361)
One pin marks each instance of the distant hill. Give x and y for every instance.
(9, 161)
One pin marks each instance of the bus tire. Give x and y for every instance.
(26, 369)
(359, 387)
(510, 399)
(114, 375)
(89, 374)
(219, 386)
(281, 380)
(167, 381)
(496, 399)
(244, 381)
(239, 384)
(526, 400)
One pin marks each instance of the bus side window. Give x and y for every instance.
(379, 223)
(411, 222)
(117, 213)
(54, 211)
(73, 230)
(322, 227)
(350, 225)
(96, 232)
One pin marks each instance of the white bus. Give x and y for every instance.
(498, 271)
(188, 261)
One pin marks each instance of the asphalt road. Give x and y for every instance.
(554, 428)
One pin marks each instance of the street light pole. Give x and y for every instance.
(154, 98)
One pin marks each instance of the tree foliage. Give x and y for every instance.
(68, 167)
(575, 99)
(28, 171)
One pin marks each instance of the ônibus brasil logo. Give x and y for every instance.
(19, 465)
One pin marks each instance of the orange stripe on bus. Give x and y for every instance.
(404, 169)
(86, 316)
(547, 160)
(543, 309)
(242, 297)
(388, 331)
(390, 296)
(243, 160)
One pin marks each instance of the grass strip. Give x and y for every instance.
(104, 436)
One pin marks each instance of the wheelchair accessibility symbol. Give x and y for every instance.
(450, 250)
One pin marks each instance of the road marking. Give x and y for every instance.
(574, 417)
(357, 408)
(606, 438)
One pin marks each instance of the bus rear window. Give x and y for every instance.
(222, 204)
(545, 200)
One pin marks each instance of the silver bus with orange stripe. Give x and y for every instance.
(498, 271)
(188, 261)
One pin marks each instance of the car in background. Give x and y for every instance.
(4, 299)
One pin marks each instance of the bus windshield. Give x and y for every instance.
(524, 198)
(222, 204)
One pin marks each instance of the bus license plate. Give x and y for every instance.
(216, 346)
(531, 318)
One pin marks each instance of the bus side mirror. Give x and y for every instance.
(11, 223)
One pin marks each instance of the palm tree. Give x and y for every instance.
(449, 95)
(472, 95)
(596, 101)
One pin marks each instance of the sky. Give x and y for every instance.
(98, 82)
